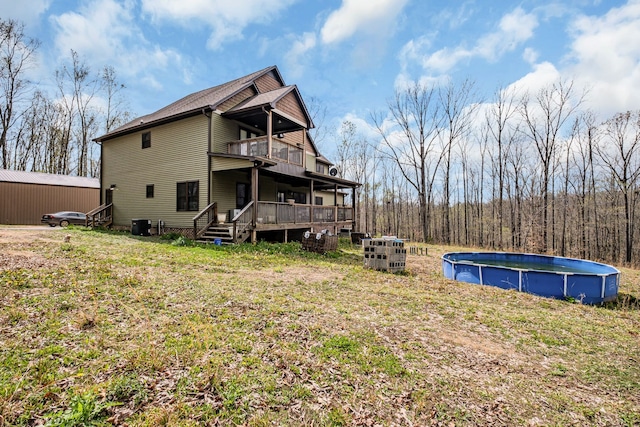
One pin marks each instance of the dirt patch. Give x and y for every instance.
(23, 260)
(25, 234)
(15, 242)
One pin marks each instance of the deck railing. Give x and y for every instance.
(204, 219)
(243, 221)
(258, 147)
(270, 213)
(286, 213)
(100, 216)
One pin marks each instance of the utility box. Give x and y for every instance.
(141, 227)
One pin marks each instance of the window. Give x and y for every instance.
(187, 196)
(319, 168)
(318, 201)
(300, 197)
(242, 195)
(150, 191)
(146, 140)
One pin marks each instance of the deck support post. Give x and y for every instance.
(254, 197)
(269, 133)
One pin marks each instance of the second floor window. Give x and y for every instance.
(150, 191)
(319, 168)
(146, 140)
(187, 196)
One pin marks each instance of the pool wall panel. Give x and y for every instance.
(543, 284)
(504, 278)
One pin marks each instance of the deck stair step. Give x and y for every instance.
(216, 232)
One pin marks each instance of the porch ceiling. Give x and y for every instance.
(282, 172)
(300, 177)
(257, 118)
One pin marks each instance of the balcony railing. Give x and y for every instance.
(285, 213)
(258, 147)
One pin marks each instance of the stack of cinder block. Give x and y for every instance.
(385, 254)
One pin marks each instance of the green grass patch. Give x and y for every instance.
(110, 328)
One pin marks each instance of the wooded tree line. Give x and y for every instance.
(51, 131)
(524, 171)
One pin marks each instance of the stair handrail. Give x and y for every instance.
(100, 213)
(212, 218)
(244, 225)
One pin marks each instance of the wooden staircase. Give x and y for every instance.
(207, 229)
(224, 232)
(215, 232)
(102, 216)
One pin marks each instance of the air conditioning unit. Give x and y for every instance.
(233, 213)
(333, 171)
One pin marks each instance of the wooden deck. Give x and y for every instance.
(273, 216)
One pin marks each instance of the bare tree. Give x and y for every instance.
(16, 56)
(117, 112)
(620, 152)
(77, 89)
(498, 117)
(582, 183)
(355, 157)
(318, 112)
(458, 106)
(544, 118)
(409, 138)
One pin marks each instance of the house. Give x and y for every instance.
(232, 162)
(26, 196)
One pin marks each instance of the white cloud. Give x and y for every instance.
(542, 75)
(514, 29)
(454, 18)
(226, 19)
(106, 32)
(355, 16)
(530, 55)
(605, 58)
(25, 11)
(297, 54)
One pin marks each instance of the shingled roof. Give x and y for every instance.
(190, 104)
(263, 98)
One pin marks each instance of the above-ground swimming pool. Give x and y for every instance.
(548, 276)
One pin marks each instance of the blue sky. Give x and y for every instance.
(350, 55)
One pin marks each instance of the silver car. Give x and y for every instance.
(64, 218)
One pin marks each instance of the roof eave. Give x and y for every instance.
(147, 125)
(332, 179)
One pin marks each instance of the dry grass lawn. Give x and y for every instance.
(111, 329)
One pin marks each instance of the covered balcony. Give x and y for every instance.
(259, 147)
